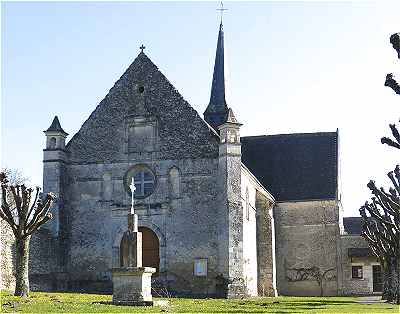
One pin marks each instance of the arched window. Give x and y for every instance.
(174, 181)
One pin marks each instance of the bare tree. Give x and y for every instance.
(381, 229)
(312, 273)
(381, 215)
(25, 211)
(392, 83)
(15, 176)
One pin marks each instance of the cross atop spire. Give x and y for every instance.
(142, 47)
(222, 9)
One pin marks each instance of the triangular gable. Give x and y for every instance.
(143, 91)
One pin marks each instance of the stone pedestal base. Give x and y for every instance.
(132, 285)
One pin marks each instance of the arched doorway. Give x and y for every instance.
(151, 249)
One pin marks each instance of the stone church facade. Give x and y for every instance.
(221, 215)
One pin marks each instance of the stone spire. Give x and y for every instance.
(217, 108)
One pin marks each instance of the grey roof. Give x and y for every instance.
(359, 252)
(352, 225)
(301, 166)
(56, 126)
(215, 113)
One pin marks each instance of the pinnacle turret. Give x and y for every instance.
(56, 126)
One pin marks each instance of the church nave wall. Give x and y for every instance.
(182, 209)
(306, 237)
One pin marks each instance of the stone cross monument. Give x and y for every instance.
(132, 281)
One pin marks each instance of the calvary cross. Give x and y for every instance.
(133, 188)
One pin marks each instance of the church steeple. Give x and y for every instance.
(217, 108)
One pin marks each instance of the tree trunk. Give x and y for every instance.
(391, 291)
(321, 288)
(386, 281)
(22, 260)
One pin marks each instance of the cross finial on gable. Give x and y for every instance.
(142, 47)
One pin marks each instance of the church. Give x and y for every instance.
(221, 215)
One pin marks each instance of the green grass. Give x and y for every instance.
(42, 302)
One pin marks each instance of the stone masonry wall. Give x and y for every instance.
(248, 195)
(98, 222)
(306, 236)
(172, 136)
(43, 262)
(348, 285)
(265, 252)
(7, 257)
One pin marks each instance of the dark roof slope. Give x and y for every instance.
(352, 225)
(359, 252)
(301, 166)
(217, 109)
(56, 126)
(217, 98)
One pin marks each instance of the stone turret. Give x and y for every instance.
(55, 136)
(54, 159)
(231, 215)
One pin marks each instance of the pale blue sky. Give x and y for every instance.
(293, 67)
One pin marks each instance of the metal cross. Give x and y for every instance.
(133, 188)
(142, 47)
(221, 9)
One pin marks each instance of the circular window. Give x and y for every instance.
(144, 180)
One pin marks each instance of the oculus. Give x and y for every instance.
(145, 180)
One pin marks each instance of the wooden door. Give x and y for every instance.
(376, 278)
(151, 249)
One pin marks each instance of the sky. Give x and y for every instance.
(293, 67)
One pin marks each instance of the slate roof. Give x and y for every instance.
(352, 225)
(301, 166)
(217, 98)
(217, 109)
(56, 126)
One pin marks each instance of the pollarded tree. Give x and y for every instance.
(25, 211)
(381, 215)
(381, 229)
(392, 83)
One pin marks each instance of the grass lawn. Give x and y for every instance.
(42, 302)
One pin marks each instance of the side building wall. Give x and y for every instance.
(266, 256)
(307, 233)
(258, 253)
(248, 196)
(347, 284)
